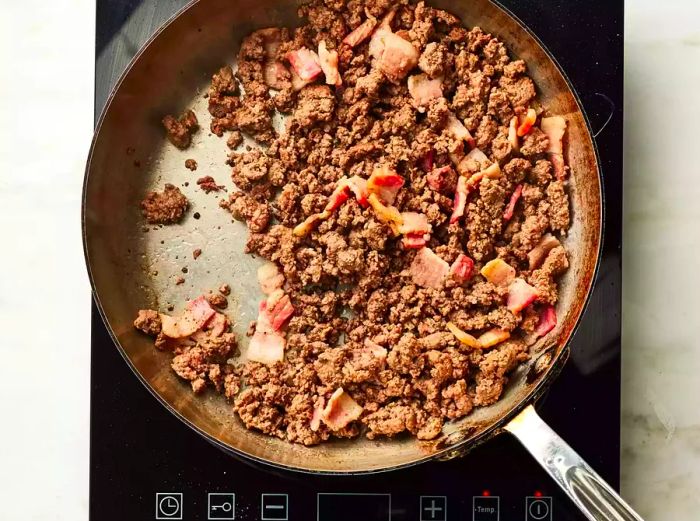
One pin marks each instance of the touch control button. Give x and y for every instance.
(168, 505)
(433, 508)
(486, 508)
(538, 508)
(274, 507)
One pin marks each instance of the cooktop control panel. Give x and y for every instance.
(350, 506)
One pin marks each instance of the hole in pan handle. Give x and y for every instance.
(591, 494)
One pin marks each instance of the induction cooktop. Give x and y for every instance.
(145, 464)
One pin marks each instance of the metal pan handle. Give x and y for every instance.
(596, 499)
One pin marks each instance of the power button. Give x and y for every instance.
(538, 508)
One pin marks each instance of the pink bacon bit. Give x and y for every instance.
(462, 268)
(329, 64)
(428, 160)
(428, 270)
(360, 33)
(460, 201)
(305, 63)
(200, 310)
(276, 310)
(414, 223)
(508, 214)
(415, 241)
(539, 253)
(341, 410)
(458, 130)
(547, 321)
(358, 186)
(317, 413)
(437, 179)
(266, 348)
(520, 295)
(423, 90)
(555, 128)
(338, 197)
(385, 183)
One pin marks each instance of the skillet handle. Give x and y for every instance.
(593, 496)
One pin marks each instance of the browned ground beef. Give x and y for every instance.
(351, 262)
(179, 131)
(164, 207)
(191, 164)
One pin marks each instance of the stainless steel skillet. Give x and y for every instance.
(130, 269)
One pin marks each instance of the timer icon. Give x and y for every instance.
(169, 505)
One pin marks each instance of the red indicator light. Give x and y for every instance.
(538, 493)
(486, 493)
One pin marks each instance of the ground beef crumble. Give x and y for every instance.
(179, 131)
(164, 207)
(351, 261)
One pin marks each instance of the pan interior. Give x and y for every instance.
(133, 267)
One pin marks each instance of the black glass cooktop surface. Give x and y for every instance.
(145, 464)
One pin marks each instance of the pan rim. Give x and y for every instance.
(460, 447)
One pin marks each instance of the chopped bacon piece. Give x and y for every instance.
(305, 63)
(520, 295)
(555, 128)
(460, 201)
(547, 321)
(358, 186)
(508, 214)
(341, 410)
(539, 253)
(361, 32)
(275, 75)
(527, 122)
(329, 64)
(389, 215)
(464, 337)
(438, 178)
(317, 414)
(394, 56)
(217, 324)
(201, 310)
(414, 223)
(309, 223)
(476, 154)
(266, 348)
(338, 197)
(492, 172)
(427, 269)
(415, 241)
(385, 183)
(458, 130)
(513, 134)
(498, 272)
(270, 278)
(428, 161)
(493, 337)
(423, 90)
(178, 327)
(278, 309)
(297, 82)
(462, 268)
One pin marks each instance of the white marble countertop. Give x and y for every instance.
(46, 93)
